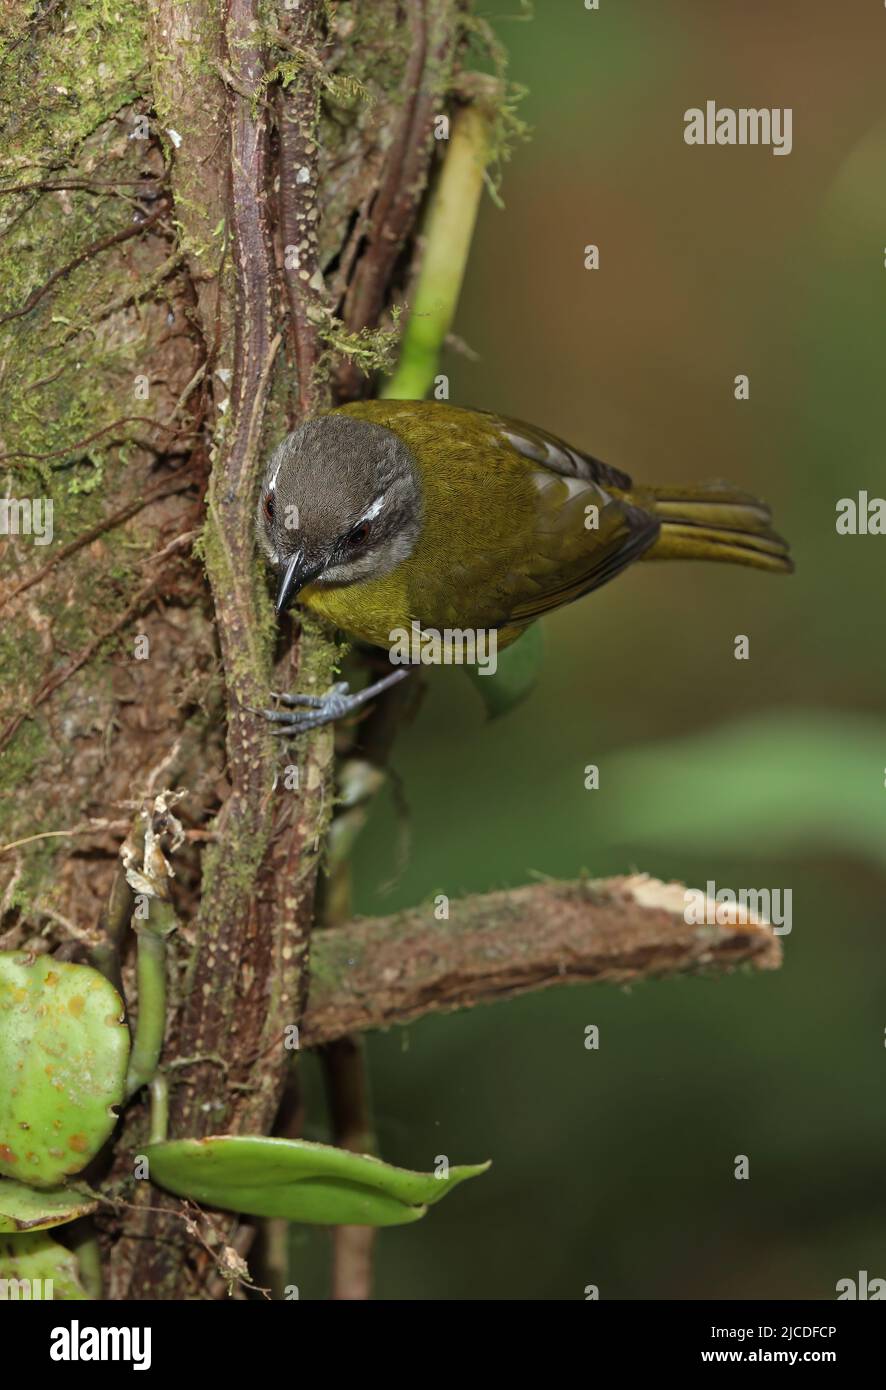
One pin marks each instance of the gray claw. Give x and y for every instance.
(315, 700)
(301, 725)
(335, 704)
(276, 716)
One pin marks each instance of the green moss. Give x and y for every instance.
(82, 67)
(23, 753)
(370, 349)
(488, 54)
(79, 67)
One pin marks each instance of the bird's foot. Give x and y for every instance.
(305, 712)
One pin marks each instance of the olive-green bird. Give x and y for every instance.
(382, 514)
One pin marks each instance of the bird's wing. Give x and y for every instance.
(552, 452)
(575, 549)
(586, 528)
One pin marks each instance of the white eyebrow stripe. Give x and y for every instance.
(272, 481)
(372, 512)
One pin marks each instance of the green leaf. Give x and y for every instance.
(516, 673)
(297, 1180)
(63, 1054)
(769, 784)
(37, 1257)
(24, 1209)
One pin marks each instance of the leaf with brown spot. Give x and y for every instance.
(63, 1038)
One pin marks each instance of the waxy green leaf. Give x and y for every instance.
(298, 1180)
(35, 1266)
(26, 1209)
(63, 1054)
(517, 672)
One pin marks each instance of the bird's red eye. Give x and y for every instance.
(268, 506)
(359, 534)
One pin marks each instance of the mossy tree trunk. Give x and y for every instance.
(207, 214)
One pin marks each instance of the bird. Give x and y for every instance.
(384, 514)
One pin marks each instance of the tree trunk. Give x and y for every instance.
(198, 246)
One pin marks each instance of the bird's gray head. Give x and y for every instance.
(340, 502)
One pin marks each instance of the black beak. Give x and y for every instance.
(297, 574)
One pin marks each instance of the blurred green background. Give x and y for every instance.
(615, 1167)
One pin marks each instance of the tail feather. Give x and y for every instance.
(717, 522)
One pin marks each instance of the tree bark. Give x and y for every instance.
(372, 974)
(216, 232)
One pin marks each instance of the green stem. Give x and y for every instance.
(115, 921)
(159, 1108)
(151, 1021)
(84, 1244)
(448, 229)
